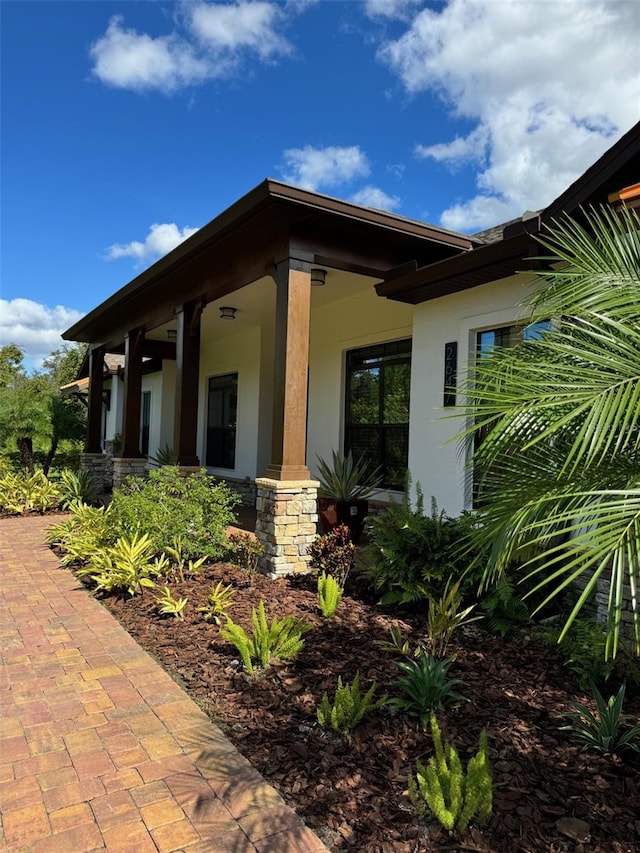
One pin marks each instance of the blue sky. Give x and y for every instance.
(127, 125)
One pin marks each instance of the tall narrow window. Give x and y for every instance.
(145, 422)
(222, 408)
(377, 408)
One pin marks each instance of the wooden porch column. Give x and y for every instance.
(92, 442)
(187, 382)
(132, 393)
(293, 304)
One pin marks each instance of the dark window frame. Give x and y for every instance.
(378, 357)
(220, 439)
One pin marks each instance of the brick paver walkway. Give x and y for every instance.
(99, 748)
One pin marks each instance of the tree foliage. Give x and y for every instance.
(557, 469)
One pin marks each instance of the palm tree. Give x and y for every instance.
(556, 425)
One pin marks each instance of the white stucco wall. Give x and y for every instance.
(113, 417)
(355, 321)
(434, 461)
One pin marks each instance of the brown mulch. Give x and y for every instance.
(353, 793)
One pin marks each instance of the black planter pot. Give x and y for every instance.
(352, 513)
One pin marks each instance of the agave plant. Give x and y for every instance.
(603, 730)
(346, 480)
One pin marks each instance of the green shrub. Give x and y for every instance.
(282, 640)
(169, 505)
(218, 603)
(426, 687)
(333, 553)
(329, 594)
(413, 554)
(128, 565)
(603, 730)
(88, 530)
(504, 607)
(348, 706)
(454, 796)
(77, 487)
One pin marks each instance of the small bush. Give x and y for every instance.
(333, 553)
(282, 640)
(243, 551)
(128, 566)
(88, 530)
(329, 595)
(168, 506)
(348, 707)
(426, 687)
(413, 554)
(454, 796)
(22, 492)
(78, 487)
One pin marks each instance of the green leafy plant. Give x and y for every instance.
(180, 566)
(281, 640)
(444, 616)
(219, 601)
(23, 492)
(243, 551)
(504, 608)
(128, 565)
(169, 505)
(168, 605)
(78, 487)
(333, 553)
(396, 644)
(413, 554)
(329, 594)
(603, 731)
(87, 531)
(426, 687)
(454, 796)
(348, 706)
(346, 480)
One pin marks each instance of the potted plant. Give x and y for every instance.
(345, 487)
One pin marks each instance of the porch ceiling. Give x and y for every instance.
(271, 223)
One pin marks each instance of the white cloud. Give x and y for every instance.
(210, 41)
(129, 60)
(160, 240)
(34, 327)
(399, 9)
(370, 196)
(547, 87)
(240, 26)
(313, 168)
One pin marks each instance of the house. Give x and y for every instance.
(294, 323)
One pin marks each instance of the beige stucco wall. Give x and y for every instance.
(434, 461)
(153, 382)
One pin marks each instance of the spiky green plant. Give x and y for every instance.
(444, 616)
(454, 796)
(426, 687)
(281, 640)
(329, 594)
(603, 731)
(168, 605)
(348, 706)
(219, 601)
(346, 480)
(129, 565)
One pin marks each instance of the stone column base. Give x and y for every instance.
(98, 465)
(286, 524)
(124, 467)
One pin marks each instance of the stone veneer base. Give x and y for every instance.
(128, 467)
(98, 465)
(287, 514)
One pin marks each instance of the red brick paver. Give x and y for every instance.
(99, 748)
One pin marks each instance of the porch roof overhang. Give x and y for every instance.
(274, 221)
(516, 250)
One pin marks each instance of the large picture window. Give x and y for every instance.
(378, 382)
(222, 405)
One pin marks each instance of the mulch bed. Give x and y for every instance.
(353, 793)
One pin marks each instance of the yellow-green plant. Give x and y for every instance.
(127, 565)
(348, 706)
(329, 594)
(282, 640)
(444, 616)
(86, 532)
(182, 567)
(219, 601)
(20, 493)
(170, 606)
(454, 796)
